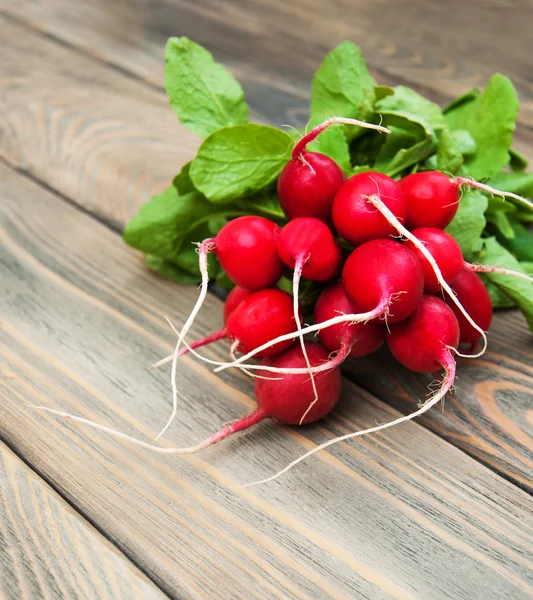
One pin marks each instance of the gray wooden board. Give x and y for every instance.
(403, 514)
(47, 550)
(107, 141)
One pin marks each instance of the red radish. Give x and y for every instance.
(361, 338)
(235, 297)
(473, 295)
(284, 400)
(446, 252)
(433, 197)
(246, 249)
(403, 231)
(422, 342)
(308, 246)
(355, 219)
(382, 269)
(260, 317)
(310, 180)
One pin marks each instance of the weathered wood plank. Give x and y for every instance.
(443, 48)
(48, 550)
(77, 137)
(403, 514)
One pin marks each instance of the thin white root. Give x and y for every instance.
(364, 124)
(205, 247)
(233, 356)
(377, 312)
(123, 436)
(298, 267)
(391, 218)
(498, 270)
(493, 191)
(449, 366)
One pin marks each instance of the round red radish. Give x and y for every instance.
(308, 184)
(473, 295)
(246, 249)
(422, 342)
(355, 219)
(446, 252)
(235, 297)
(432, 199)
(380, 269)
(287, 399)
(363, 338)
(261, 317)
(311, 241)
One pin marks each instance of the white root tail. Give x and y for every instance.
(205, 247)
(391, 218)
(449, 366)
(493, 191)
(476, 268)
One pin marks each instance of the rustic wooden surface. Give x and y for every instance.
(395, 515)
(405, 514)
(74, 134)
(47, 550)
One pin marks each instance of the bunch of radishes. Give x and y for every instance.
(390, 273)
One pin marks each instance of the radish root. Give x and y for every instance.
(476, 268)
(449, 366)
(205, 247)
(492, 191)
(391, 218)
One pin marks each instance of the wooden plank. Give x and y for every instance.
(403, 514)
(48, 550)
(61, 140)
(443, 48)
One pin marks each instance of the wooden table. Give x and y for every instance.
(440, 508)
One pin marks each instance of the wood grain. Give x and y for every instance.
(441, 48)
(402, 515)
(47, 550)
(67, 147)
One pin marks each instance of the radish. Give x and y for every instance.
(433, 197)
(308, 246)
(383, 269)
(446, 252)
(235, 297)
(283, 400)
(309, 181)
(260, 317)
(423, 342)
(473, 295)
(354, 219)
(361, 338)
(376, 201)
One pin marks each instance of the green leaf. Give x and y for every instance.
(169, 223)
(238, 161)
(343, 87)
(380, 91)
(264, 204)
(182, 182)
(408, 157)
(501, 223)
(519, 290)
(170, 270)
(490, 118)
(461, 101)
(469, 222)
(332, 142)
(521, 243)
(528, 267)
(202, 93)
(407, 102)
(498, 297)
(365, 149)
(452, 146)
(518, 162)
